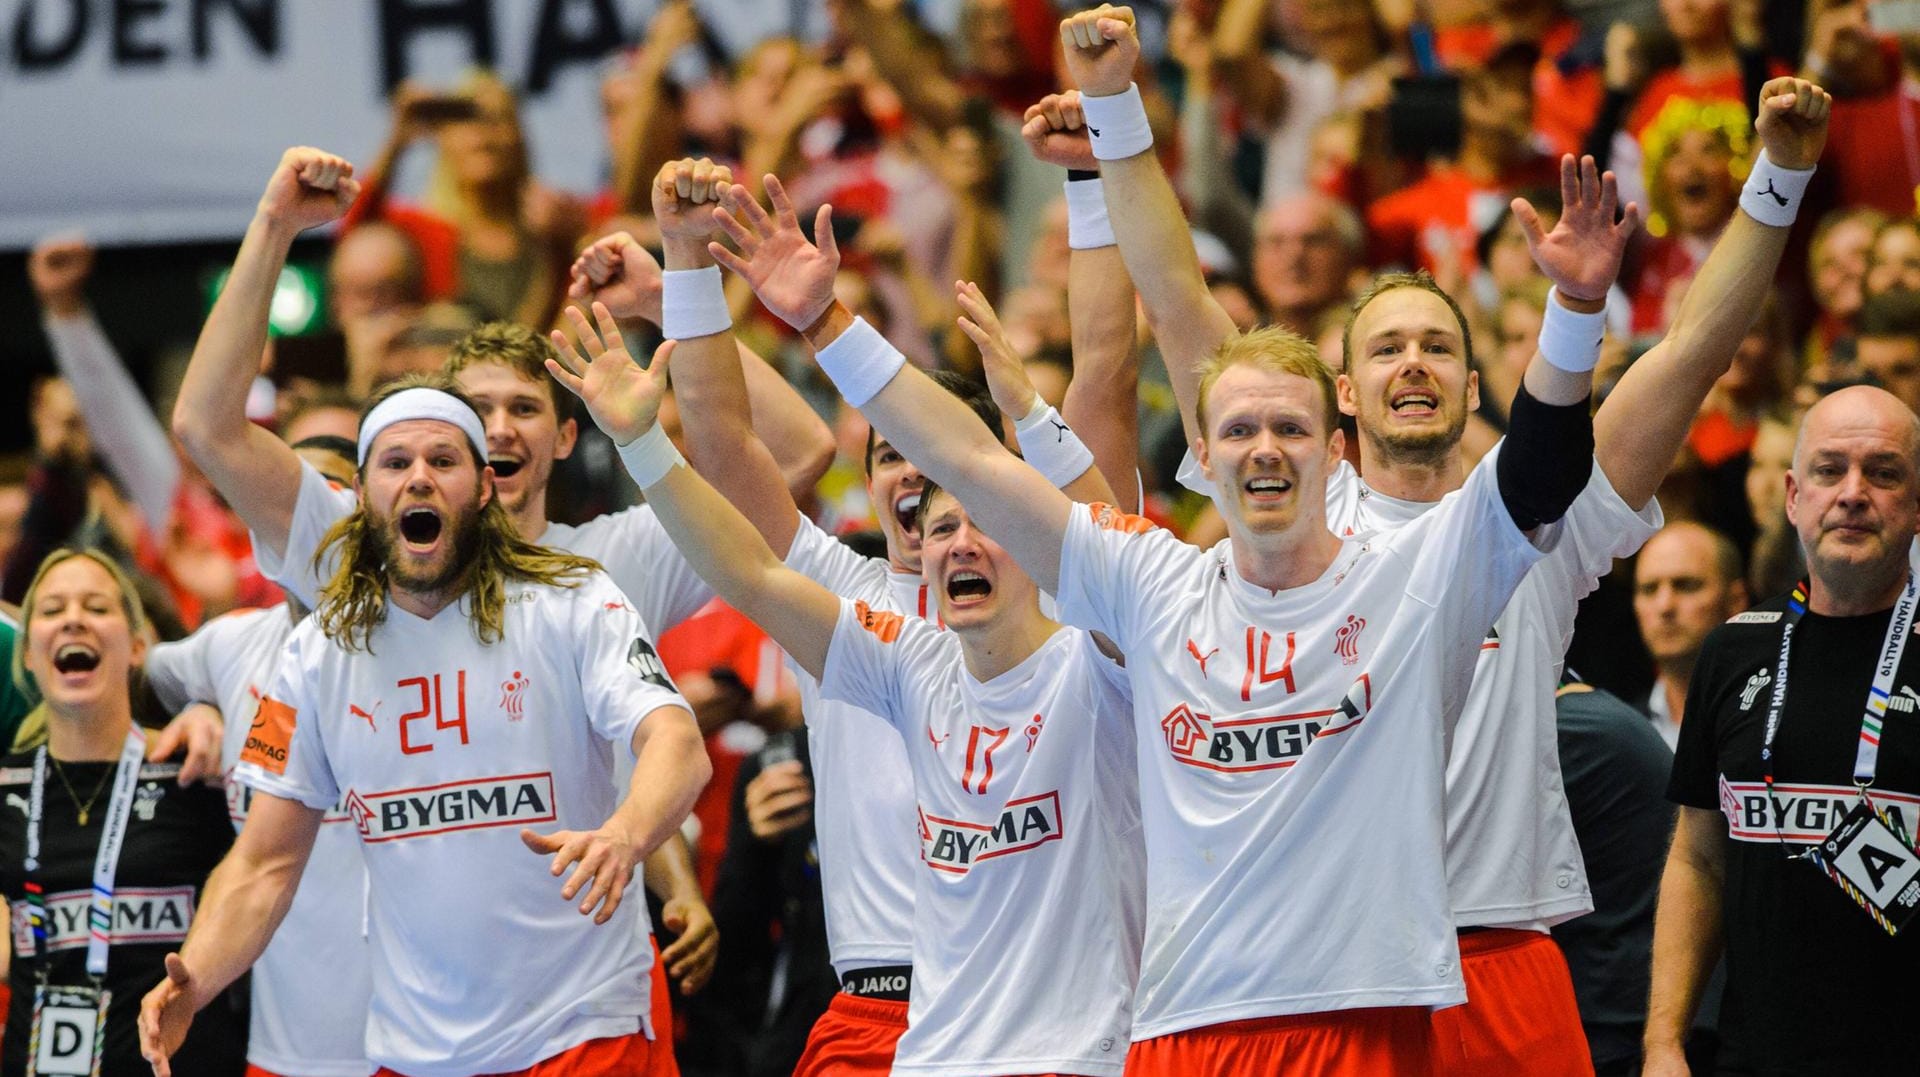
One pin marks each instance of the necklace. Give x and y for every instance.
(97, 790)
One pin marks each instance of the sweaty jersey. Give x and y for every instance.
(1029, 899)
(442, 749)
(1292, 754)
(1512, 858)
(631, 545)
(863, 808)
(301, 1022)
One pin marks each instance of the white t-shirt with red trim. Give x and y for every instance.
(863, 810)
(1512, 857)
(442, 749)
(1030, 896)
(1292, 754)
(301, 1023)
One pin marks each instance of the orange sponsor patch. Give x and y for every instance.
(884, 625)
(269, 736)
(1108, 518)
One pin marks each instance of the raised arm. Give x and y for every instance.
(928, 425)
(908, 64)
(720, 543)
(256, 472)
(243, 903)
(122, 423)
(1103, 399)
(1102, 49)
(649, 129)
(1647, 416)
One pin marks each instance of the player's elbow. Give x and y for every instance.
(672, 738)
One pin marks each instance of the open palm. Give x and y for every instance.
(792, 277)
(1581, 256)
(623, 398)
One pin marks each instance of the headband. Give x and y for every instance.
(422, 403)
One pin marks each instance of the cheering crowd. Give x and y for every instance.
(1392, 555)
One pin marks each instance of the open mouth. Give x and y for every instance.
(506, 467)
(967, 587)
(906, 511)
(75, 658)
(420, 527)
(1415, 402)
(1267, 486)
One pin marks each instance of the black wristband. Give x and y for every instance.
(1075, 175)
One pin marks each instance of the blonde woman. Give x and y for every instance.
(94, 833)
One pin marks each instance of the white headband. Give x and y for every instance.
(422, 403)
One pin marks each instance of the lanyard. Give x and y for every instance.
(106, 861)
(1866, 758)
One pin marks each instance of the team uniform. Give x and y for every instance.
(1814, 986)
(1029, 904)
(442, 749)
(1513, 861)
(863, 817)
(1292, 757)
(303, 1023)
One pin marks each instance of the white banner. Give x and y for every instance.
(140, 121)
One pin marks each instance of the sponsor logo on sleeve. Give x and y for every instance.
(955, 846)
(646, 662)
(1755, 617)
(474, 804)
(1803, 814)
(269, 736)
(885, 626)
(1108, 518)
(140, 915)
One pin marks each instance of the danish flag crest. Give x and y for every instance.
(1346, 639)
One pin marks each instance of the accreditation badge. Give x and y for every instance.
(69, 1031)
(1876, 867)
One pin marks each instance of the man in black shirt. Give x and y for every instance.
(1815, 984)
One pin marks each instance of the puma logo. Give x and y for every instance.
(1094, 131)
(1778, 198)
(1061, 430)
(1194, 650)
(15, 800)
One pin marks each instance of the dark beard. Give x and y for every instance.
(463, 532)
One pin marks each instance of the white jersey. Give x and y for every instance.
(631, 545)
(1512, 857)
(862, 788)
(1028, 907)
(301, 1023)
(1292, 754)
(443, 749)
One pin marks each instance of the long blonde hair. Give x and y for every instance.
(33, 728)
(354, 601)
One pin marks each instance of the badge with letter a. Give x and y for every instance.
(1876, 867)
(69, 1031)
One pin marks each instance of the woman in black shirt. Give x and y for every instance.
(68, 803)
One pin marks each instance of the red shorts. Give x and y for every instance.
(854, 1038)
(611, 1056)
(1339, 1043)
(661, 1062)
(1520, 1017)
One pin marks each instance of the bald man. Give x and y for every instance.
(1686, 581)
(1772, 768)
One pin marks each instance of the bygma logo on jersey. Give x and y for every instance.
(1261, 742)
(514, 800)
(1803, 814)
(140, 914)
(954, 846)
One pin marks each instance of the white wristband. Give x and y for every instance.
(693, 303)
(1052, 447)
(1117, 124)
(650, 456)
(1773, 194)
(1087, 225)
(860, 362)
(1569, 339)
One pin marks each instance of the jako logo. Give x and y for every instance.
(955, 846)
(514, 800)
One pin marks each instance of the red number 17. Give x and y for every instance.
(430, 704)
(975, 735)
